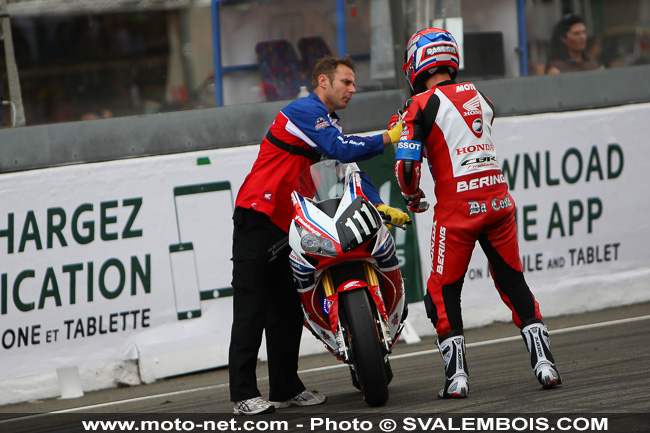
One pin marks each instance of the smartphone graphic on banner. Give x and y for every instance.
(185, 281)
(204, 218)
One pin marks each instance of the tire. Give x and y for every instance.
(389, 372)
(365, 347)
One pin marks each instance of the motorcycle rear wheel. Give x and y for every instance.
(365, 347)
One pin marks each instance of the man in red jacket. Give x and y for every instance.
(265, 297)
(450, 124)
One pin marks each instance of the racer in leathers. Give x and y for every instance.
(265, 298)
(450, 124)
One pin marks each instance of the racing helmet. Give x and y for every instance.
(426, 51)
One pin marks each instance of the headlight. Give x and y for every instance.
(317, 245)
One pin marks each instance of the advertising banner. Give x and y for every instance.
(130, 259)
(578, 180)
(120, 260)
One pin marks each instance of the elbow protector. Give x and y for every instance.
(407, 172)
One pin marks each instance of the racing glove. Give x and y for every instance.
(395, 127)
(397, 217)
(395, 131)
(415, 202)
(393, 121)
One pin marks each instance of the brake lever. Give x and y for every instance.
(386, 219)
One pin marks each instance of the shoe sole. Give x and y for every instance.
(243, 412)
(455, 395)
(286, 404)
(551, 384)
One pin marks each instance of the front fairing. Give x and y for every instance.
(329, 204)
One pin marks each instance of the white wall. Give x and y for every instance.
(63, 289)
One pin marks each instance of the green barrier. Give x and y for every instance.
(381, 171)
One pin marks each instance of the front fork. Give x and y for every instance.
(381, 318)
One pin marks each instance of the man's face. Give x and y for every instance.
(340, 90)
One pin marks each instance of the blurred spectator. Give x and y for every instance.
(568, 51)
(105, 114)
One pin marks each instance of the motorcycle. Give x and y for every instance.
(347, 274)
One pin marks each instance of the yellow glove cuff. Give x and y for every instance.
(395, 132)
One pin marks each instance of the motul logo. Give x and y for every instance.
(465, 86)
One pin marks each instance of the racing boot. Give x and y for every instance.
(452, 351)
(537, 341)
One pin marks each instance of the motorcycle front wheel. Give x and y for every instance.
(365, 347)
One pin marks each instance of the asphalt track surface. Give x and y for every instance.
(604, 359)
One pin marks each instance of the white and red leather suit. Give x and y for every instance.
(450, 125)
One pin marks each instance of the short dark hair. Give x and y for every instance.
(327, 66)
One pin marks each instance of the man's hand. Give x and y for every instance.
(395, 132)
(397, 217)
(415, 202)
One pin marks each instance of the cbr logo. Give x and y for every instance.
(476, 207)
(479, 160)
(501, 204)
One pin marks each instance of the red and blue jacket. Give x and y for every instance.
(300, 135)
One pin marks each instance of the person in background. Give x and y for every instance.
(568, 50)
(450, 124)
(265, 298)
